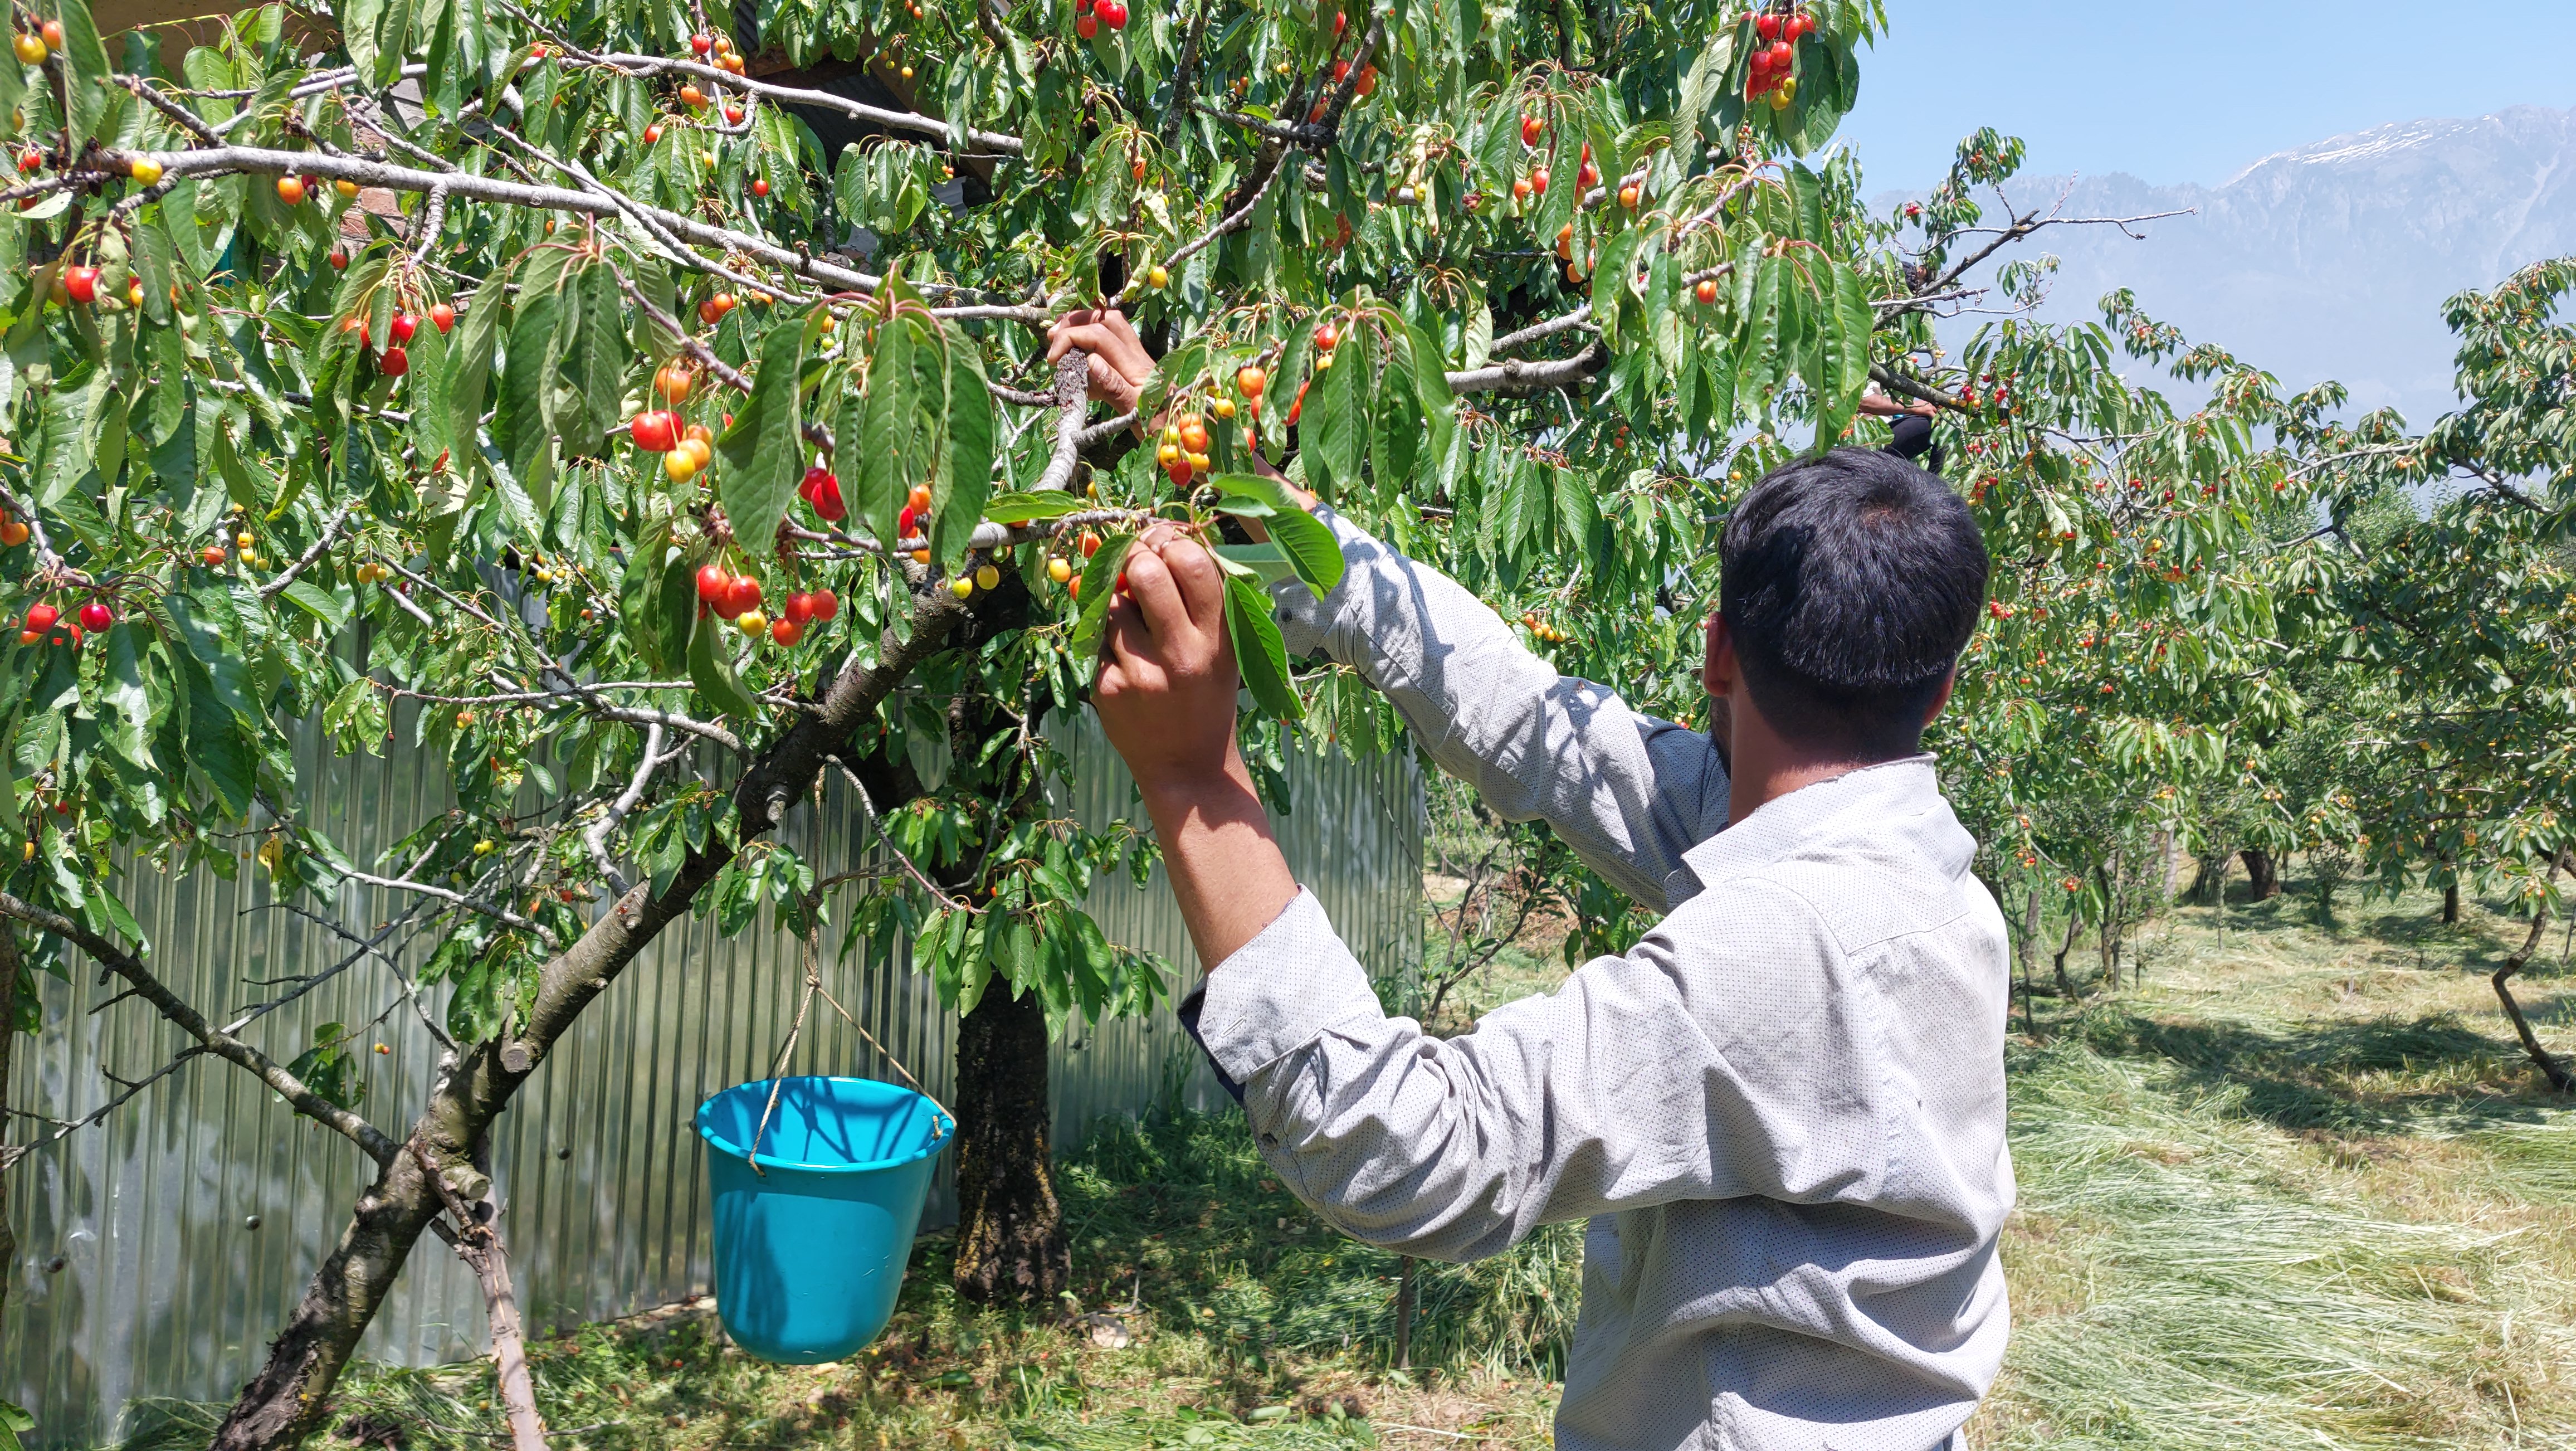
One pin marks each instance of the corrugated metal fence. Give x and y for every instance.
(160, 1248)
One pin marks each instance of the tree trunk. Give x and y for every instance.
(290, 1396)
(2550, 1068)
(2065, 986)
(1011, 1246)
(2028, 943)
(2265, 883)
(8, 1041)
(2450, 904)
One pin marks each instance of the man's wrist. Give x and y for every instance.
(1210, 793)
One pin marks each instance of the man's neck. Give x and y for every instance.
(1757, 782)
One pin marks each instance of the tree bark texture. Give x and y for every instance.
(288, 1400)
(1011, 1245)
(2450, 904)
(2263, 877)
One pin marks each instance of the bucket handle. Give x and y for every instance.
(939, 1127)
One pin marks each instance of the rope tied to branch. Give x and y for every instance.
(795, 1029)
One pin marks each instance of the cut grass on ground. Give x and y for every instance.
(2296, 1188)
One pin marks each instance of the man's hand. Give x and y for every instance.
(1119, 368)
(1165, 694)
(1167, 679)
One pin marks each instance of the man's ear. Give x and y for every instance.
(1941, 697)
(1718, 669)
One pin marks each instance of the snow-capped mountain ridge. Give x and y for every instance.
(2331, 260)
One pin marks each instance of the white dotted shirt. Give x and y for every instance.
(1782, 1111)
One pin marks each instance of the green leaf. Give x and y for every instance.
(1307, 540)
(763, 453)
(320, 603)
(85, 70)
(597, 363)
(711, 670)
(885, 463)
(1258, 650)
(1431, 389)
(1020, 508)
(125, 696)
(958, 507)
(1099, 577)
(1335, 421)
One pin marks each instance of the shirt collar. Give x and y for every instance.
(1885, 790)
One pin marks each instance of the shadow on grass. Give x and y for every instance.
(2384, 1076)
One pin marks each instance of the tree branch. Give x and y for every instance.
(210, 1038)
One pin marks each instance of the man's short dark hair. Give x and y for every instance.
(1850, 583)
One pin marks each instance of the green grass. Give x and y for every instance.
(2297, 1188)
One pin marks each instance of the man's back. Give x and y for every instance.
(1849, 976)
(1782, 1111)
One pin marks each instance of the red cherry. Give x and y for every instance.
(394, 363)
(903, 524)
(786, 632)
(800, 607)
(1800, 26)
(81, 285)
(1341, 22)
(1538, 180)
(827, 501)
(1112, 13)
(1782, 52)
(701, 43)
(94, 616)
(442, 317)
(1767, 25)
(760, 186)
(339, 259)
(813, 482)
(655, 431)
(826, 604)
(1085, 26)
(41, 617)
(31, 160)
(714, 585)
(1327, 337)
(404, 326)
(733, 115)
(652, 135)
(1531, 128)
(1706, 292)
(744, 599)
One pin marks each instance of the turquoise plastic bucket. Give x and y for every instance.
(810, 1250)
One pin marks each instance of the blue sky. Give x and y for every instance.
(2188, 90)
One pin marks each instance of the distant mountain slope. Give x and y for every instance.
(2332, 260)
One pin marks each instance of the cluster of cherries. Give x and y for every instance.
(42, 617)
(393, 362)
(685, 448)
(1776, 56)
(1090, 15)
(736, 597)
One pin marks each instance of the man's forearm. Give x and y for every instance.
(1224, 865)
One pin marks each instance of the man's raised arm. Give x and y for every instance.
(1628, 792)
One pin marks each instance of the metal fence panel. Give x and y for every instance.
(160, 1248)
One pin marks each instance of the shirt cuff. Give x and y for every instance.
(1280, 992)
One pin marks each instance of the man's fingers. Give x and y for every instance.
(1202, 584)
(1158, 598)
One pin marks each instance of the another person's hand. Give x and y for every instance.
(1167, 681)
(1119, 367)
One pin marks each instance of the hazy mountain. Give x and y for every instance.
(2331, 260)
